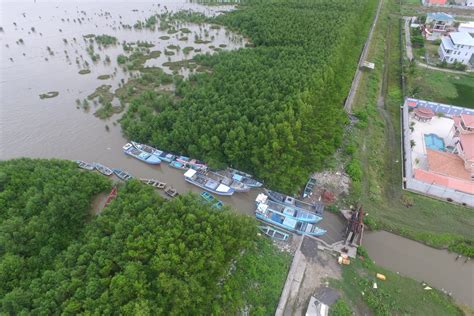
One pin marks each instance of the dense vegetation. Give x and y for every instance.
(274, 110)
(43, 208)
(142, 255)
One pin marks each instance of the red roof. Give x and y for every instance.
(467, 142)
(468, 120)
(424, 112)
(447, 164)
(412, 103)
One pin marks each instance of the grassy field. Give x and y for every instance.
(442, 87)
(396, 295)
(378, 153)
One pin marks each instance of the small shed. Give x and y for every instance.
(368, 65)
(424, 114)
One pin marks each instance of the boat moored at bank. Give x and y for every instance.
(287, 210)
(242, 177)
(122, 174)
(85, 165)
(160, 154)
(206, 183)
(154, 183)
(209, 198)
(141, 155)
(317, 208)
(106, 171)
(264, 213)
(234, 184)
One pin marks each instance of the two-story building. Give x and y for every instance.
(457, 46)
(439, 21)
(463, 137)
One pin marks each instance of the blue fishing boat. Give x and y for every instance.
(234, 184)
(178, 165)
(122, 174)
(316, 207)
(242, 177)
(209, 198)
(308, 189)
(162, 155)
(141, 155)
(192, 163)
(274, 233)
(264, 213)
(206, 183)
(287, 210)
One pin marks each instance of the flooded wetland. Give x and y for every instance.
(63, 65)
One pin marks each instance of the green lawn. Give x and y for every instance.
(396, 295)
(442, 87)
(378, 153)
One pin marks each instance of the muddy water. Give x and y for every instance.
(55, 128)
(438, 268)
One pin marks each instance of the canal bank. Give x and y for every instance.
(438, 268)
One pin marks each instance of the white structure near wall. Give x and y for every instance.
(467, 26)
(457, 47)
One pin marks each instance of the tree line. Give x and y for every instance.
(142, 254)
(274, 110)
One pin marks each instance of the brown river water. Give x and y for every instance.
(55, 128)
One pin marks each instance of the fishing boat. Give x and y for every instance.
(243, 177)
(264, 213)
(122, 174)
(317, 208)
(178, 165)
(308, 189)
(192, 163)
(141, 155)
(287, 210)
(274, 233)
(162, 155)
(106, 171)
(154, 183)
(170, 191)
(234, 184)
(85, 165)
(209, 198)
(206, 183)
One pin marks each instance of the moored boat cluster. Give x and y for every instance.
(273, 208)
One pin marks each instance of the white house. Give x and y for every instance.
(469, 3)
(457, 46)
(467, 26)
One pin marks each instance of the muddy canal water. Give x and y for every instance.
(437, 268)
(56, 128)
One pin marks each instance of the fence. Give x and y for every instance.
(409, 181)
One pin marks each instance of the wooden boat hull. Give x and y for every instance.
(85, 165)
(245, 178)
(274, 233)
(209, 198)
(154, 183)
(288, 210)
(122, 174)
(106, 171)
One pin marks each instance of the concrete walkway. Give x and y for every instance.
(363, 56)
(293, 280)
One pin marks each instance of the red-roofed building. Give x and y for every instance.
(463, 135)
(435, 2)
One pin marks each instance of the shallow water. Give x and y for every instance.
(54, 128)
(438, 268)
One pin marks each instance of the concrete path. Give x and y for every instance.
(293, 280)
(363, 56)
(407, 38)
